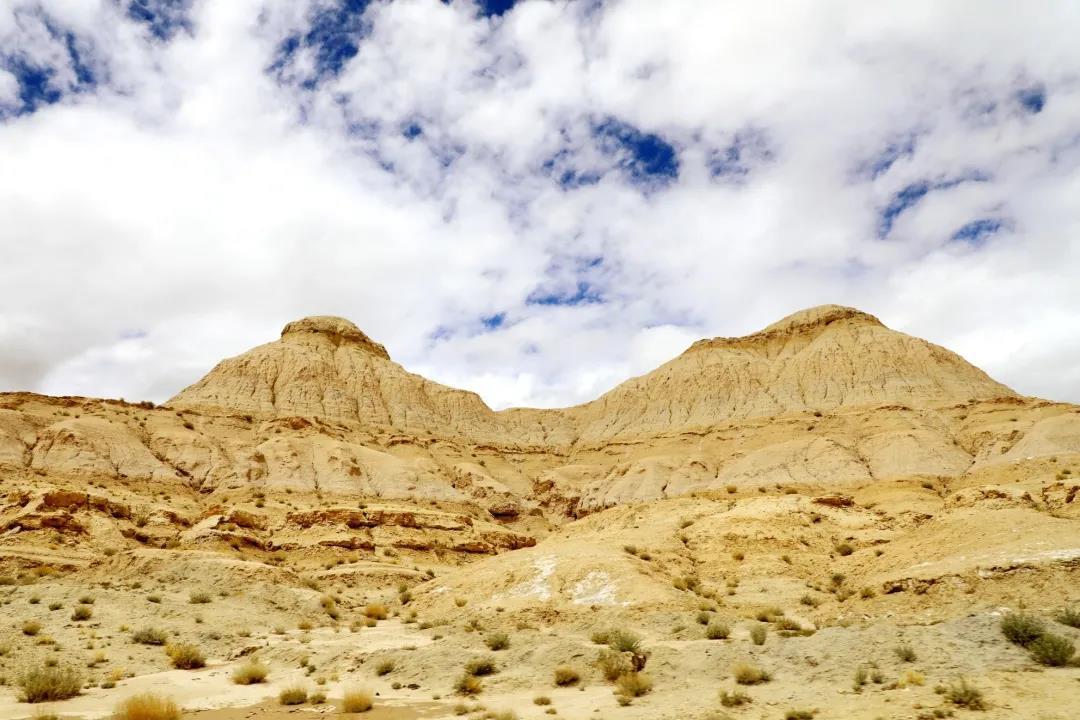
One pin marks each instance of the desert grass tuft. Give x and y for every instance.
(736, 698)
(185, 656)
(633, 684)
(149, 636)
(252, 672)
(747, 674)
(147, 706)
(963, 694)
(357, 700)
(295, 695)
(1021, 629)
(566, 675)
(1052, 650)
(48, 683)
(497, 641)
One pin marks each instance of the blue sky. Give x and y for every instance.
(531, 200)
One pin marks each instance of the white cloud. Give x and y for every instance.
(193, 198)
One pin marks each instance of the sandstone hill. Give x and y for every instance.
(869, 483)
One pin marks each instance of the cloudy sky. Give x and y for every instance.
(531, 200)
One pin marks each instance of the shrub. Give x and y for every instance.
(480, 666)
(153, 598)
(250, 673)
(623, 641)
(376, 611)
(910, 678)
(717, 631)
(758, 634)
(964, 694)
(844, 549)
(82, 612)
(468, 685)
(747, 674)
(734, 699)
(147, 706)
(317, 698)
(55, 605)
(612, 664)
(149, 636)
(385, 667)
(295, 695)
(905, 652)
(199, 598)
(497, 641)
(357, 700)
(86, 600)
(48, 683)
(704, 617)
(31, 628)
(769, 614)
(799, 715)
(600, 637)
(566, 675)
(1052, 650)
(633, 684)
(1069, 616)
(185, 656)
(1021, 629)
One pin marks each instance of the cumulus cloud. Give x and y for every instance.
(534, 201)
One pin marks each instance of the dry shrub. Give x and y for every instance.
(735, 698)
(31, 628)
(747, 674)
(566, 675)
(468, 685)
(376, 611)
(497, 641)
(480, 666)
(295, 695)
(250, 673)
(147, 706)
(150, 636)
(185, 656)
(613, 664)
(758, 634)
(633, 684)
(385, 667)
(357, 700)
(45, 684)
(963, 694)
(82, 612)
(717, 631)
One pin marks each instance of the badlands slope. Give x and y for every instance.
(876, 489)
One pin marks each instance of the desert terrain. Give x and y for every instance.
(826, 519)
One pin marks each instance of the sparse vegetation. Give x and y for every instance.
(1069, 616)
(1052, 650)
(905, 653)
(633, 684)
(149, 636)
(623, 641)
(566, 675)
(480, 666)
(147, 706)
(357, 700)
(48, 683)
(199, 598)
(717, 631)
(758, 634)
(497, 641)
(799, 715)
(612, 664)
(185, 656)
(747, 674)
(376, 611)
(963, 694)
(844, 549)
(385, 667)
(250, 673)
(31, 628)
(1022, 629)
(82, 612)
(294, 695)
(468, 685)
(736, 698)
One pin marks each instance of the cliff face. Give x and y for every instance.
(828, 397)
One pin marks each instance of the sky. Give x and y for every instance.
(532, 200)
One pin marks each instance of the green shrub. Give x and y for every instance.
(49, 683)
(1052, 650)
(623, 641)
(1069, 616)
(1021, 629)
